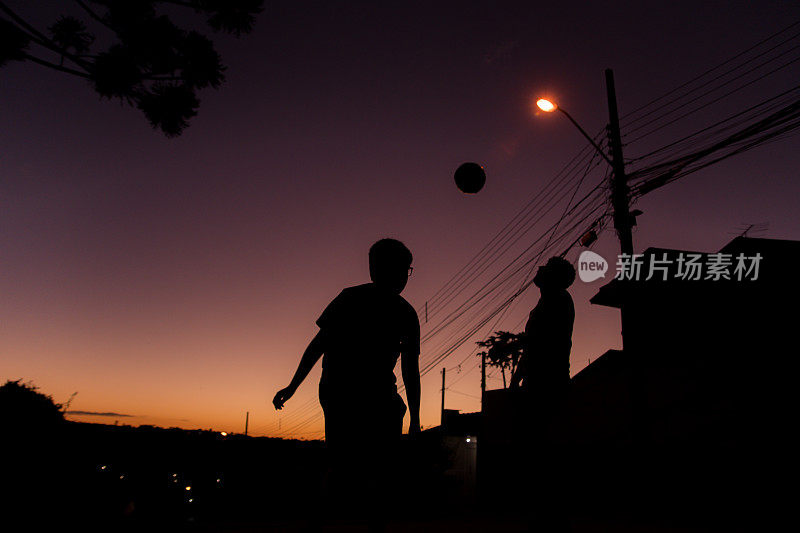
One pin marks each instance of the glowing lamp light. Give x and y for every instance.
(546, 105)
(189, 487)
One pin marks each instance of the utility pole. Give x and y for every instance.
(623, 222)
(246, 422)
(619, 185)
(443, 371)
(483, 377)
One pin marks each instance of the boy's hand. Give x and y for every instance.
(282, 396)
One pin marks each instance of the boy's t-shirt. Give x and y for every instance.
(365, 329)
(548, 341)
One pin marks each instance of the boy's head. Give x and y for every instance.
(558, 273)
(390, 264)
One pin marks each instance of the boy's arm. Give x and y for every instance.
(519, 371)
(409, 364)
(522, 369)
(310, 357)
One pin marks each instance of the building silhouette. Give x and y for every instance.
(692, 416)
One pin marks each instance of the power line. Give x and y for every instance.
(774, 101)
(712, 80)
(538, 258)
(518, 227)
(459, 311)
(501, 293)
(462, 393)
(686, 84)
(775, 125)
(698, 108)
(471, 330)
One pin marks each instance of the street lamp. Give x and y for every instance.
(548, 107)
(623, 220)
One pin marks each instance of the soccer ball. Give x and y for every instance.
(470, 178)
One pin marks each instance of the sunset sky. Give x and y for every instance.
(176, 282)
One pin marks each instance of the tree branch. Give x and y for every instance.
(93, 14)
(4, 8)
(40, 39)
(179, 3)
(56, 67)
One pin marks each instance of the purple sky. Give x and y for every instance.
(178, 280)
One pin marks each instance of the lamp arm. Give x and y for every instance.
(599, 151)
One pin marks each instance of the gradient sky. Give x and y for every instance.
(177, 281)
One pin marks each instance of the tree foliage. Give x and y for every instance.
(151, 63)
(504, 351)
(23, 406)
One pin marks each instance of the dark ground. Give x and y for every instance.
(110, 478)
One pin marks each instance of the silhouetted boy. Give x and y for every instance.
(544, 366)
(362, 333)
(544, 373)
